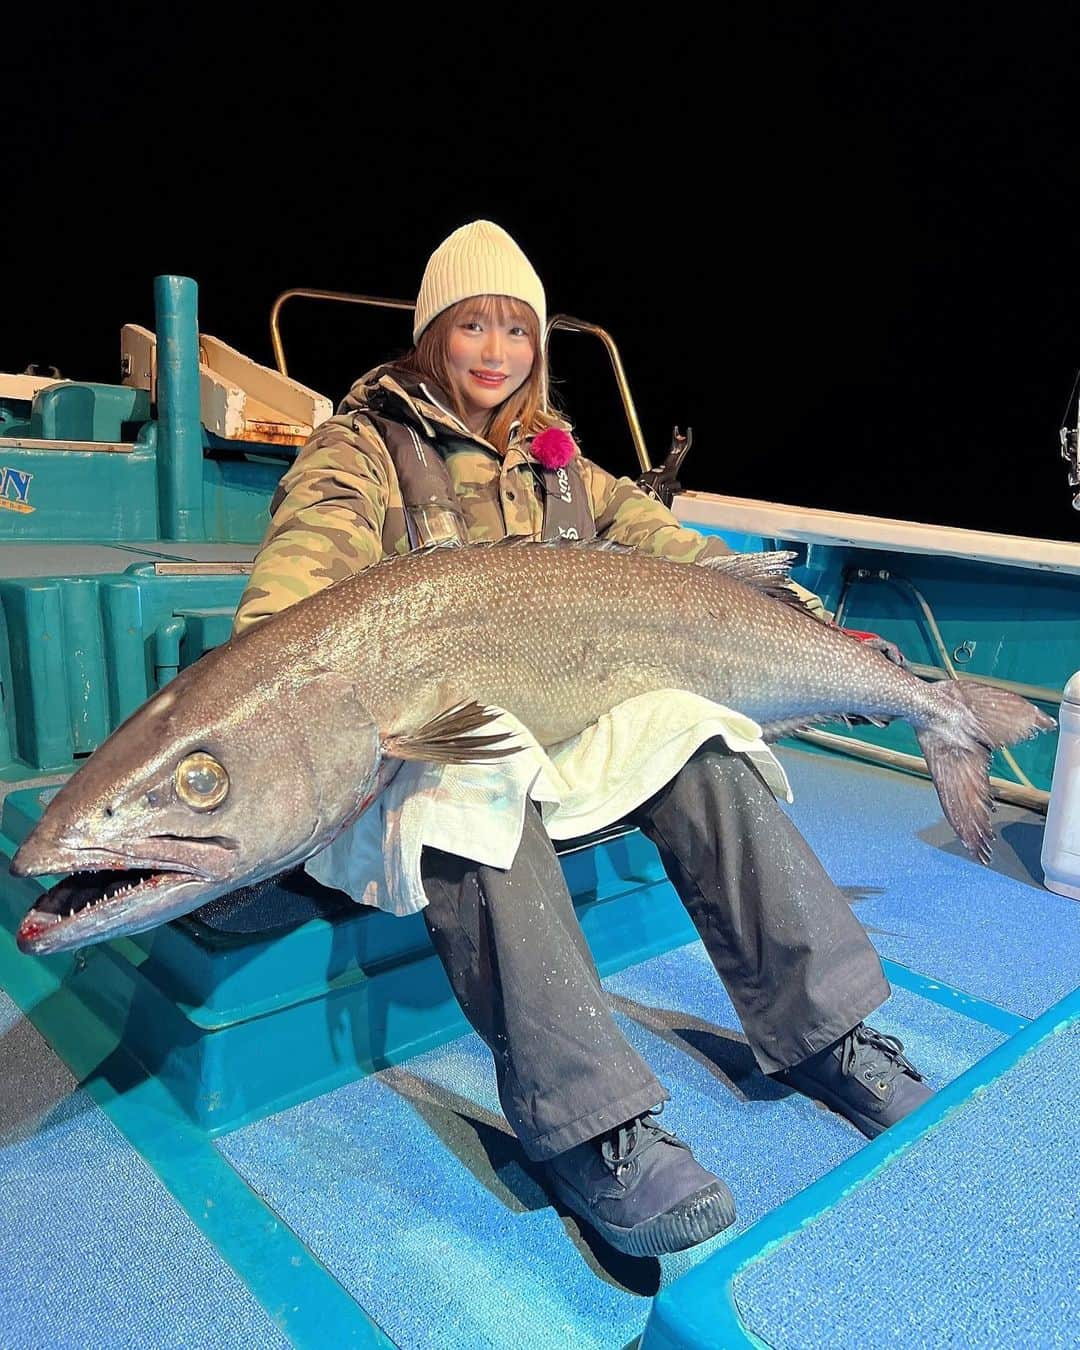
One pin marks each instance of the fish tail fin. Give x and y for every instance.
(974, 720)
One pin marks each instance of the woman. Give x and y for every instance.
(457, 441)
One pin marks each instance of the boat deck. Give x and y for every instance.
(50, 558)
(997, 1182)
(401, 1201)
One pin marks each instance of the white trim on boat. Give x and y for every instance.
(812, 526)
(84, 447)
(26, 386)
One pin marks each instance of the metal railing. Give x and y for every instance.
(566, 322)
(341, 297)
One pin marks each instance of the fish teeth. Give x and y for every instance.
(106, 895)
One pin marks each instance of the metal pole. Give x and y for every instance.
(1015, 793)
(179, 426)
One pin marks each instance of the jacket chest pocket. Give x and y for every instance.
(481, 507)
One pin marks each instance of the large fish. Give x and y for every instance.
(255, 757)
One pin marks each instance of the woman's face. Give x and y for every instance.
(490, 355)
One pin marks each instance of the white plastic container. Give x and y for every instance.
(1061, 842)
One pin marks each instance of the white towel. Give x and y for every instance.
(478, 811)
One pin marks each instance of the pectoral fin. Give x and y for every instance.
(450, 738)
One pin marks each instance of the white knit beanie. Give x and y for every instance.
(478, 259)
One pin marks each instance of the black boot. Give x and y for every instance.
(863, 1076)
(642, 1189)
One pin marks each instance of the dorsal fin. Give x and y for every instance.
(764, 570)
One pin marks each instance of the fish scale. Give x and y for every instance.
(307, 715)
(600, 625)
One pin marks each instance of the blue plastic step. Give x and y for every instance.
(959, 1226)
(95, 1248)
(410, 1189)
(972, 1237)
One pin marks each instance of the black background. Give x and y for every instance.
(843, 246)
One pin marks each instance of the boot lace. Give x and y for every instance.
(623, 1145)
(871, 1055)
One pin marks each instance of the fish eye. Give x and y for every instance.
(201, 781)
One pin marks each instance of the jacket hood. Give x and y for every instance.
(401, 394)
(392, 392)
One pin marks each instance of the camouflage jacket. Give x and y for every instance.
(339, 507)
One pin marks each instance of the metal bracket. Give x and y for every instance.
(1070, 453)
(1070, 444)
(663, 483)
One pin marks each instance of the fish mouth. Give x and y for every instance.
(108, 898)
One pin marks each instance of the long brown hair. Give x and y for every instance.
(529, 405)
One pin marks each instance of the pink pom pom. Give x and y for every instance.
(554, 448)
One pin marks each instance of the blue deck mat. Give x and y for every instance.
(993, 932)
(95, 1250)
(410, 1189)
(970, 1238)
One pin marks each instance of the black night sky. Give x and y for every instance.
(842, 245)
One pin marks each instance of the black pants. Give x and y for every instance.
(797, 964)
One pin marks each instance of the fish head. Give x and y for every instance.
(213, 784)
